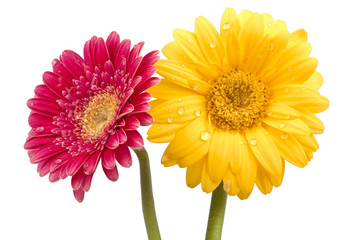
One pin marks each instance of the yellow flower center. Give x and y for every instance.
(99, 112)
(237, 100)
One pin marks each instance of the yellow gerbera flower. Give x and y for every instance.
(234, 106)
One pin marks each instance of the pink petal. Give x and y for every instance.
(134, 139)
(77, 180)
(41, 131)
(79, 195)
(123, 156)
(122, 136)
(37, 120)
(60, 160)
(144, 118)
(43, 167)
(108, 159)
(131, 123)
(141, 98)
(54, 176)
(89, 49)
(113, 43)
(60, 69)
(76, 163)
(133, 67)
(142, 108)
(113, 141)
(38, 142)
(47, 152)
(123, 52)
(127, 109)
(101, 53)
(147, 84)
(73, 63)
(149, 59)
(146, 73)
(42, 91)
(135, 81)
(87, 182)
(44, 107)
(92, 162)
(111, 174)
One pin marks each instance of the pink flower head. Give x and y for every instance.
(89, 109)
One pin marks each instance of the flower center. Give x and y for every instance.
(98, 114)
(237, 100)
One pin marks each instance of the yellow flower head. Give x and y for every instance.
(234, 106)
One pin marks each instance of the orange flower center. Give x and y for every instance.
(237, 100)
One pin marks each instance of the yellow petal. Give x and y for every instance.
(294, 126)
(173, 51)
(228, 16)
(281, 111)
(193, 174)
(219, 154)
(175, 111)
(309, 143)
(319, 105)
(189, 138)
(182, 74)
(315, 81)
(263, 182)
(296, 73)
(207, 184)
(248, 169)
(244, 16)
(265, 150)
(209, 40)
(160, 133)
(299, 35)
(168, 89)
(237, 150)
(189, 44)
(194, 156)
(289, 147)
(230, 183)
(233, 50)
(314, 123)
(294, 95)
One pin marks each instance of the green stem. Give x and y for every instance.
(148, 205)
(216, 214)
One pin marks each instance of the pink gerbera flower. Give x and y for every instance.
(88, 110)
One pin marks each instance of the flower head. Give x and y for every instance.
(89, 110)
(234, 106)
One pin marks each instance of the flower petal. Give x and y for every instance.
(295, 126)
(123, 156)
(134, 139)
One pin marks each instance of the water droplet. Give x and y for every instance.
(181, 73)
(205, 135)
(226, 26)
(227, 186)
(287, 90)
(287, 117)
(170, 110)
(181, 111)
(185, 56)
(190, 40)
(282, 125)
(180, 100)
(284, 136)
(86, 166)
(183, 65)
(293, 78)
(269, 24)
(276, 149)
(39, 129)
(254, 142)
(196, 87)
(58, 160)
(197, 112)
(270, 113)
(170, 119)
(260, 56)
(266, 133)
(271, 47)
(212, 44)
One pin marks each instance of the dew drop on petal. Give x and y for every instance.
(181, 111)
(287, 90)
(254, 142)
(269, 114)
(212, 44)
(205, 135)
(271, 47)
(266, 133)
(282, 125)
(284, 136)
(197, 112)
(183, 65)
(190, 40)
(287, 117)
(226, 26)
(293, 78)
(170, 119)
(39, 129)
(227, 186)
(196, 87)
(179, 99)
(58, 160)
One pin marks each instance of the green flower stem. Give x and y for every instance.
(148, 205)
(216, 214)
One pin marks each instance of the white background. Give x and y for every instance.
(320, 201)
